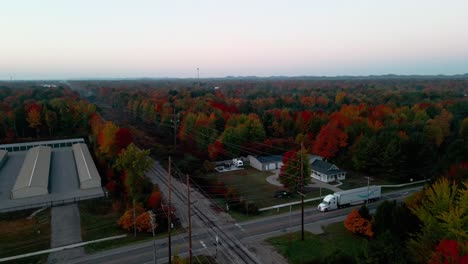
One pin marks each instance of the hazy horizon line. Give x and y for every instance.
(465, 74)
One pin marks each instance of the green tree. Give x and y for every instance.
(135, 163)
(290, 174)
(443, 211)
(51, 120)
(386, 248)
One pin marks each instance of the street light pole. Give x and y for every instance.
(153, 226)
(302, 191)
(189, 219)
(169, 223)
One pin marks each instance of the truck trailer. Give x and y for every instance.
(350, 197)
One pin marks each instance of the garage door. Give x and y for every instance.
(271, 166)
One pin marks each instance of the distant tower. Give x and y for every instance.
(198, 77)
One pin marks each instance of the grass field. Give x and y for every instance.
(252, 186)
(355, 180)
(98, 220)
(18, 235)
(335, 242)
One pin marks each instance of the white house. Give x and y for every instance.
(326, 172)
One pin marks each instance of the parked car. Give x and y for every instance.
(282, 194)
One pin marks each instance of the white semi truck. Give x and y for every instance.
(350, 197)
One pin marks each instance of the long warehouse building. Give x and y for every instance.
(87, 171)
(3, 157)
(33, 178)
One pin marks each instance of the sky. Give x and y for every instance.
(56, 39)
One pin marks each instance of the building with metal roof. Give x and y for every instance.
(3, 157)
(87, 172)
(62, 143)
(273, 162)
(266, 163)
(33, 178)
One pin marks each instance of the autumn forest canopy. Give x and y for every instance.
(396, 130)
(399, 129)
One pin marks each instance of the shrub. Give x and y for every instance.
(358, 225)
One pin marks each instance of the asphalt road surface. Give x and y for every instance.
(204, 241)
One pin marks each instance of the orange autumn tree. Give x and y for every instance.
(34, 117)
(358, 225)
(106, 139)
(126, 220)
(143, 222)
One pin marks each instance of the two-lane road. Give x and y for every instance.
(204, 241)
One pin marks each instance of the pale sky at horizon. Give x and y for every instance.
(56, 39)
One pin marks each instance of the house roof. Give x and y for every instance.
(269, 159)
(325, 167)
(312, 158)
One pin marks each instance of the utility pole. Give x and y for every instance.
(134, 218)
(169, 224)
(302, 191)
(368, 190)
(153, 226)
(189, 219)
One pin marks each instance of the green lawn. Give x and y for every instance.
(336, 243)
(19, 235)
(252, 186)
(98, 220)
(201, 259)
(240, 217)
(356, 180)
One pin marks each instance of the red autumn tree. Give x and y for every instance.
(329, 140)
(34, 116)
(358, 225)
(449, 252)
(123, 138)
(216, 149)
(154, 200)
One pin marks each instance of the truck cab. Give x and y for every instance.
(328, 203)
(238, 163)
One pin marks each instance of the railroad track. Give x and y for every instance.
(229, 241)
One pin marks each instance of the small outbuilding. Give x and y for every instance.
(266, 163)
(87, 171)
(33, 178)
(325, 171)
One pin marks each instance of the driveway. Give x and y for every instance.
(65, 230)
(273, 180)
